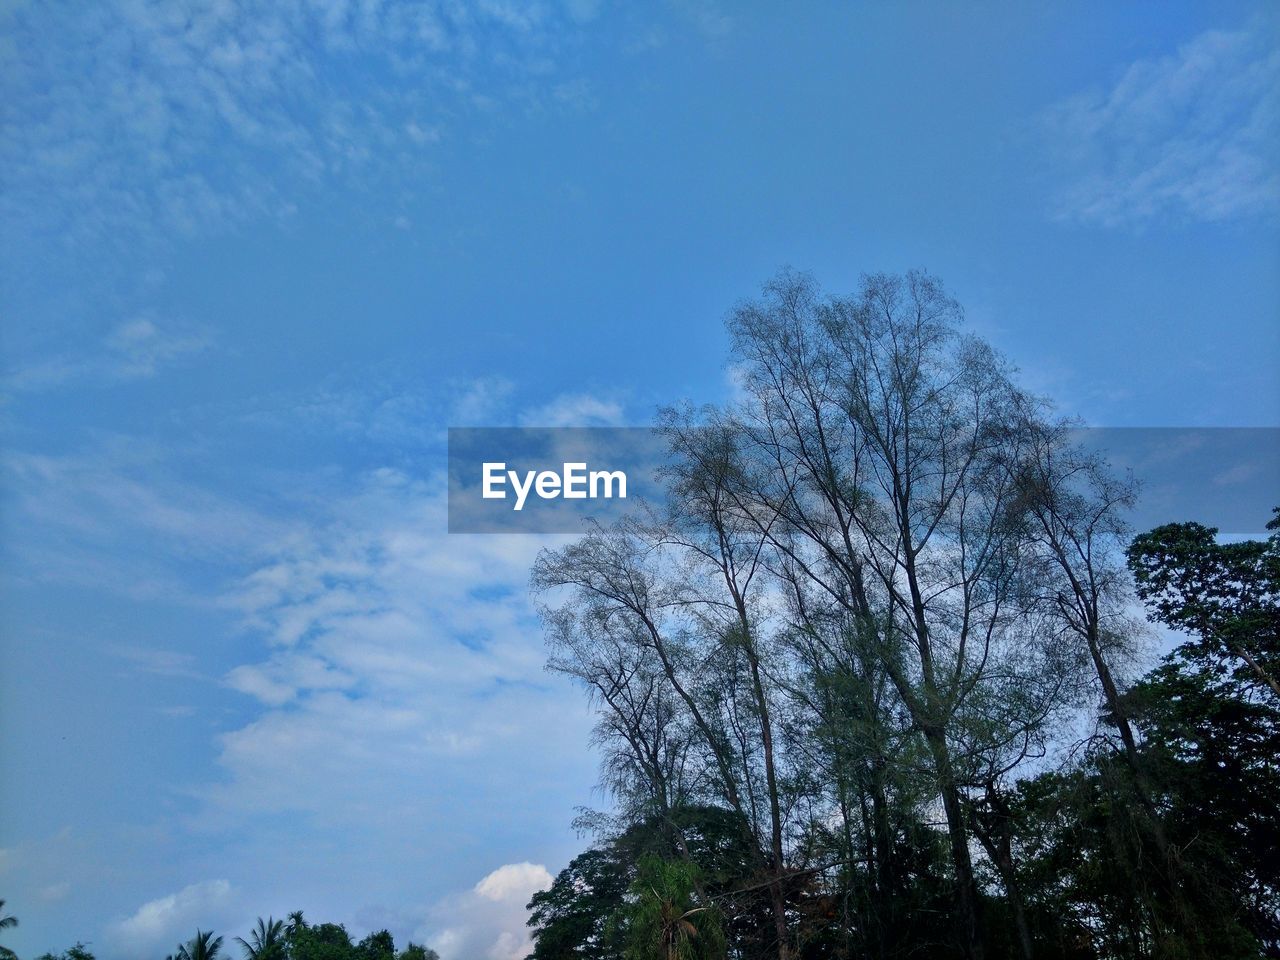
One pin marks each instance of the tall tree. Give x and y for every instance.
(881, 434)
(726, 552)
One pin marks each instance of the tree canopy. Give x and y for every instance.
(881, 637)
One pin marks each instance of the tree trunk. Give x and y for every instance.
(966, 887)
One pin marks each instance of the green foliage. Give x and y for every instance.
(203, 946)
(7, 921)
(78, 952)
(666, 919)
(583, 914)
(1089, 857)
(266, 942)
(1165, 852)
(291, 939)
(324, 941)
(574, 917)
(1227, 595)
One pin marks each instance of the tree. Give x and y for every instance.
(266, 942)
(322, 941)
(203, 946)
(575, 917)
(7, 922)
(376, 946)
(882, 437)
(704, 523)
(835, 675)
(1212, 745)
(1227, 594)
(664, 919)
(77, 952)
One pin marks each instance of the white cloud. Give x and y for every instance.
(392, 675)
(55, 891)
(161, 923)
(386, 407)
(489, 922)
(514, 881)
(575, 410)
(1189, 135)
(395, 647)
(278, 681)
(139, 347)
(133, 350)
(480, 401)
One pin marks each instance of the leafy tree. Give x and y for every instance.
(322, 941)
(7, 921)
(415, 951)
(77, 952)
(203, 946)
(664, 917)
(376, 946)
(266, 942)
(1212, 748)
(574, 917)
(1226, 594)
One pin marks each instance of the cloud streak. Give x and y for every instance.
(134, 350)
(1192, 135)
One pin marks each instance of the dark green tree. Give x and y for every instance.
(1227, 595)
(78, 952)
(574, 918)
(415, 951)
(376, 946)
(7, 920)
(203, 946)
(666, 919)
(266, 942)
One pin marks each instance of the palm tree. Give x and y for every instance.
(204, 946)
(662, 922)
(7, 921)
(266, 942)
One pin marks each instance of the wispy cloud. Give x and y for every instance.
(133, 350)
(120, 516)
(575, 410)
(129, 117)
(1192, 135)
(388, 639)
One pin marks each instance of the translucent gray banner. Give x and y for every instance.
(551, 480)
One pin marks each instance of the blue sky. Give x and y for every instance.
(257, 258)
